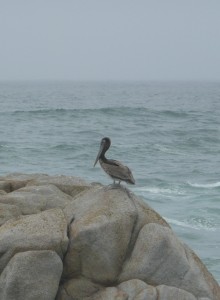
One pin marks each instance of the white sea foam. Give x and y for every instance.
(158, 190)
(197, 225)
(205, 185)
(168, 150)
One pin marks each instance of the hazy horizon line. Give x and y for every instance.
(112, 80)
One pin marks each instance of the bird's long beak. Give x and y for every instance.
(99, 154)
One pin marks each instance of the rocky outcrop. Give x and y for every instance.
(62, 238)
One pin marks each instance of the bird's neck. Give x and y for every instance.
(103, 158)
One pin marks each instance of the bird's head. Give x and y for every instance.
(104, 146)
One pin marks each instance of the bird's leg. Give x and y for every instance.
(115, 183)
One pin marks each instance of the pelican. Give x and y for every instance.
(115, 169)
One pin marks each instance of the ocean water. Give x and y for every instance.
(167, 133)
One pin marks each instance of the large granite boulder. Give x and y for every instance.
(44, 231)
(103, 232)
(106, 242)
(34, 199)
(28, 276)
(8, 211)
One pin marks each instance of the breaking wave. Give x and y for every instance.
(205, 185)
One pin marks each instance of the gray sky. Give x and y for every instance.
(114, 39)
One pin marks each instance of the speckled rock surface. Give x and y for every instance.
(27, 276)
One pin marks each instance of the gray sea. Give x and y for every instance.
(168, 133)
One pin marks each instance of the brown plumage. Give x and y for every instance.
(115, 169)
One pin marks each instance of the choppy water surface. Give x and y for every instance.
(168, 134)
